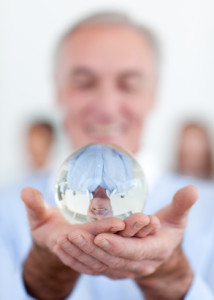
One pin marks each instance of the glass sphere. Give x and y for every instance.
(100, 181)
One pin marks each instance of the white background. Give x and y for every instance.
(29, 30)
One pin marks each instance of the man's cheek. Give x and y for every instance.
(71, 96)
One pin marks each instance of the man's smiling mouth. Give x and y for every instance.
(105, 131)
(100, 211)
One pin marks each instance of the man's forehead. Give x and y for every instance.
(112, 44)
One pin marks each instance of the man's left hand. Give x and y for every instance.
(155, 258)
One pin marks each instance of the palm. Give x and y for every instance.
(48, 225)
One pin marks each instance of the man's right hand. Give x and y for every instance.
(45, 275)
(49, 271)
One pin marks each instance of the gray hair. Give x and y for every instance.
(114, 18)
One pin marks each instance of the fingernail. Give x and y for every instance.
(103, 244)
(78, 240)
(138, 225)
(114, 229)
(66, 245)
(147, 228)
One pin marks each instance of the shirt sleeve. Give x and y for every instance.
(12, 284)
(199, 290)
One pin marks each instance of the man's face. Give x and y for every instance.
(106, 85)
(100, 205)
(99, 208)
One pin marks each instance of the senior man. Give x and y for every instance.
(106, 78)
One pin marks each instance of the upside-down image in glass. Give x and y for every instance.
(100, 181)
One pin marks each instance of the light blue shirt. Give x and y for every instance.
(198, 244)
(100, 165)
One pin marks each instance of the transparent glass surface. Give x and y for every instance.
(99, 181)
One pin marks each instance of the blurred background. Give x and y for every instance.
(29, 32)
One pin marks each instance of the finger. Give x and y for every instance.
(93, 264)
(142, 268)
(70, 261)
(79, 255)
(181, 204)
(134, 223)
(129, 248)
(151, 228)
(118, 267)
(104, 225)
(115, 273)
(85, 242)
(36, 208)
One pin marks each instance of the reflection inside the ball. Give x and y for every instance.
(100, 205)
(100, 181)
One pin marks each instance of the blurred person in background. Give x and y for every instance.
(194, 154)
(40, 140)
(106, 80)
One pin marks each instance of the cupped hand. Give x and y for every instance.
(48, 226)
(143, 256)
(138, 250)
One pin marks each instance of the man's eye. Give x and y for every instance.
(130, 86)
(84, 84)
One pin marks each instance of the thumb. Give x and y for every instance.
(37, 209)
(182, 201)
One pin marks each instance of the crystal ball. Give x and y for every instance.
(100, 181)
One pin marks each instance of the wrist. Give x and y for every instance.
(46, 277)
(171, 281)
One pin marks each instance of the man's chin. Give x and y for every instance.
(115, 140)
(106, 140)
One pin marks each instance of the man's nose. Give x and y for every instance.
(108, 100)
